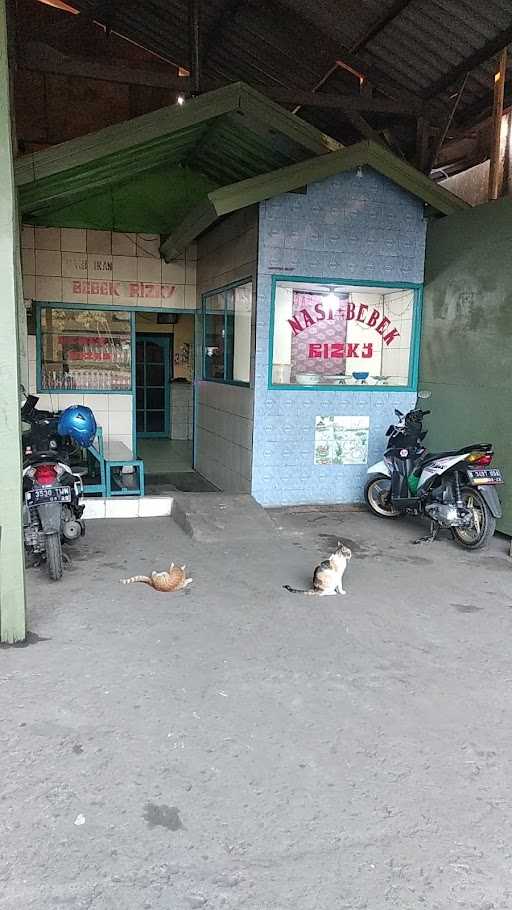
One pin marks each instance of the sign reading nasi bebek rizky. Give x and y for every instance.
(319, 331)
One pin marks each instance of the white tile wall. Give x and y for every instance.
(48, 263)
(149, 269)
(47, 238)
(49, 289)
(124, 244)
(125, 268)
(103, 257)
(73, 240)
(99, 242)
(174, 272)
(148, 245)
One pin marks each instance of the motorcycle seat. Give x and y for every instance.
(429, 457)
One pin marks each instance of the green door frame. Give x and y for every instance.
(166, 342)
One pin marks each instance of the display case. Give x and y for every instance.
(85, 349)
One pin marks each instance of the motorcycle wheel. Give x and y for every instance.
(377, 494)
(484, 522)
(54, 556)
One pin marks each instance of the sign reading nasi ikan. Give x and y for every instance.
(95, 277)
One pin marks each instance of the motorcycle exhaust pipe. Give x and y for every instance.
(71, 529)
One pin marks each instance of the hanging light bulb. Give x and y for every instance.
(180, 100)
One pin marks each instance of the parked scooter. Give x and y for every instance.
(456, 490)
(52, 492)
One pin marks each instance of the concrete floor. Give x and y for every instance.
(165, 456)
(236, 746)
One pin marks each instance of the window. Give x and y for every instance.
(85, 349)
(227, 321)
(339, 335)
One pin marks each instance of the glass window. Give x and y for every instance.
(341, 335)
(227, 334)
(85, 349)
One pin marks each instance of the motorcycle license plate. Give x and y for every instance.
(485, 475)
(52, 494)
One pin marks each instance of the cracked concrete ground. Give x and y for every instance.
(236, 746)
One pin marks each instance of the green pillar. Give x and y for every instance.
(12, 574)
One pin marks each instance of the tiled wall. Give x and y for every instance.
(63, 265)
(101, 267)
(224, 426)
(359, 227)
(223, 444)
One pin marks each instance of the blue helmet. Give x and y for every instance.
(78, 422)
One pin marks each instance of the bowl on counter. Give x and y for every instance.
(360, 376)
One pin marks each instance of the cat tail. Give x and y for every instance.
(310, 593)
(142, 578)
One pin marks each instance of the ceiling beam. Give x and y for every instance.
(488, 50)
(34, 55)
(394, 10)
(281, 28)
(338, 101)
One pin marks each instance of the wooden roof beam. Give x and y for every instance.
(339, 101)
(489, 49)
(35, 55)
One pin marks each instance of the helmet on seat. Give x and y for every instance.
(79, 423)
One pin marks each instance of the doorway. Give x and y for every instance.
(164, 344)
(153, 365)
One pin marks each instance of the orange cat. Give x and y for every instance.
(173, 580)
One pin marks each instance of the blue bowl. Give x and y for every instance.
(360, 375)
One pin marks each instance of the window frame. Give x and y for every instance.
(205, 312)
(414, 357)
(43, 305)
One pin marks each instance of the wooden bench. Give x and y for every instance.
(121, 473)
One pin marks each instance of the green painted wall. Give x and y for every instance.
(466, 359)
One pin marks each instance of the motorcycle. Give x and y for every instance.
(52, 493)
(454, 489)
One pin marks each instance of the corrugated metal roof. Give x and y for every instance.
(293, 43)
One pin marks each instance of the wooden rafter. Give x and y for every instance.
(490, 49)
(339, 101)
(35, 55)
(497, 115)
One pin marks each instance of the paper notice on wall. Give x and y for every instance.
(341, 440)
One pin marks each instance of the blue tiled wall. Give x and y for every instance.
(363, 228)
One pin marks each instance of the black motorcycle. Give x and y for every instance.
(52, 493)
(455, 490)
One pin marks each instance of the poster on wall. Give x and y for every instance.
(341, 440)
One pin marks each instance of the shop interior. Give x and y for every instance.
(342, 335)
(164, 345)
